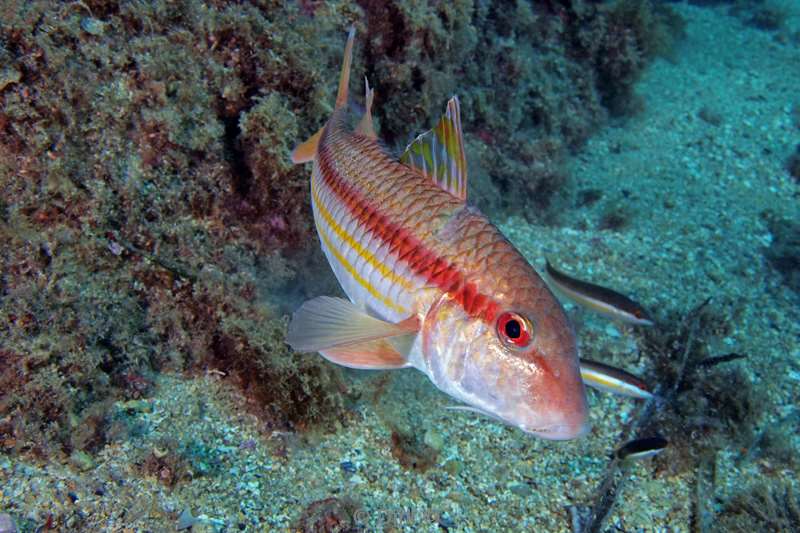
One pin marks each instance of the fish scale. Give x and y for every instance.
(419, 210)
(373, 190)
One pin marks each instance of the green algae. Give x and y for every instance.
(128, 244)
(706, 405)
(710, 407)
(763, 507)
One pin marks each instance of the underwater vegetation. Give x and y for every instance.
(135, 236)
(150, 220)
(534, 80)
(656, 30)
(707, 403)
(712, 402)
(764, 507)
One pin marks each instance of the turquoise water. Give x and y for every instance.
(155, 238)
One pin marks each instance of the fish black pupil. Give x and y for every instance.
(513, 329)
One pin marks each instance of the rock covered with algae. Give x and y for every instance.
(150, 219)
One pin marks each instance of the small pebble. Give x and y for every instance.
(446, 522)
(185, 520)
(348, 467)
(520, 489)
(612, 332)
(453, 467)
(81, 460)
(141, 406)
(159, 453)
(434, 439)
(7, 524)
(92, 26)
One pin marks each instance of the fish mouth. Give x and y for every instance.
(560, 431)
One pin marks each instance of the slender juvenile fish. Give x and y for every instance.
(614, 380)
(605, 301)
(642, 448)
(431, 282)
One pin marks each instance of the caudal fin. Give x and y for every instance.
(344, 77)
(306, 151)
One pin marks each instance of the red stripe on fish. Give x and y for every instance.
(403, 245)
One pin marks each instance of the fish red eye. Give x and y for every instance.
(514, 330)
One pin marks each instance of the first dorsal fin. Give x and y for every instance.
(365, 126)
(439, 153)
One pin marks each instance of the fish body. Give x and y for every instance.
(643, 448)
(431, 282)
(614, 380)
(600, 299)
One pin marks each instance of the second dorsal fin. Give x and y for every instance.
(439, 153)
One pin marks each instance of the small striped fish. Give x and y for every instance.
(600, 299)
(614, 380)
(431, 282)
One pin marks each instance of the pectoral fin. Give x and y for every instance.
(330, 325)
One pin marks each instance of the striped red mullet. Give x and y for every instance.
(431, 282)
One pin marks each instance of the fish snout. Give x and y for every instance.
(560, 423)
(560, 411)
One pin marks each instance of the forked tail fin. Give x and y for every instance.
(344, 77)
(306, 151)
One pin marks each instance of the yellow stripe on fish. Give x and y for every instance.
(368, 258)
(360, 279)
(362, 252)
